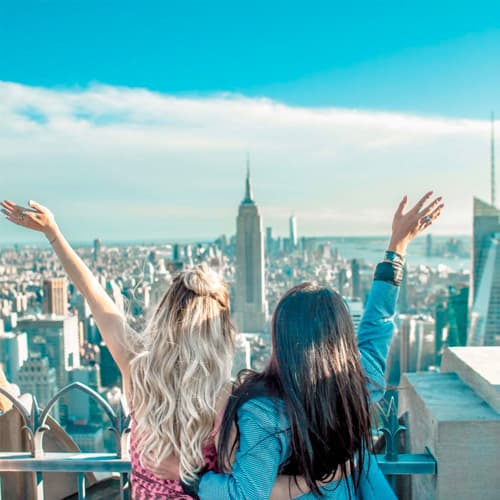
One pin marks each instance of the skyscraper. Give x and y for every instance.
(55, 338)
(492, 158)
(484, 326)
(96, 253)
(403, 294)
(269, 241)
(485, 277)
(355, 277)
(251, 306)
(486, 224)
(81, 407)
(451, 319)
(356, 310)
(13, 353)
(458, 312)
(37, 377)
(55, 296)
(294, 239)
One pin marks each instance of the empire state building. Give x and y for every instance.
(251, 306)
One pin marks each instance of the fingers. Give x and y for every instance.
(431, 217)
(402, 205)
(421, 202)
(32, 206)
(430, 208)
(8, 203)
(20, 215)
(11, 206)
(14, 211)
(37, 206)
(26, 222)
(436, 213)
(9, 212)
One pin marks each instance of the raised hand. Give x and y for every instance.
(35, 217)
(405, 226)
(108, 316)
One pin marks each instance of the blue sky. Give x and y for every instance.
(413, 66)
(434, 57)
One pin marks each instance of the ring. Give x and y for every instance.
(22, 214)
(426, 219)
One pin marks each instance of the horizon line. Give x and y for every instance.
(83, 242)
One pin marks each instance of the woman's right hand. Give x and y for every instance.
(405, 226)
(36, 217)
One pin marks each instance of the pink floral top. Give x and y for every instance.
(148, 486)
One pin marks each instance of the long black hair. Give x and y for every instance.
(315, 369)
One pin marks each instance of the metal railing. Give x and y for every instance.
(37, 461)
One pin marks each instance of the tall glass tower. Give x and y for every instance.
(486, 224)
(484, 326)
(251, 305)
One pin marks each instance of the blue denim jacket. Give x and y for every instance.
(263, 424)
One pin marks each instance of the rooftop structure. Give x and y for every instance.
(455, 415)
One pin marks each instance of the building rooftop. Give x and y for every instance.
(479, 368)
(448, 398)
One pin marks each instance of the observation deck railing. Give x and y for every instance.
(38, 461)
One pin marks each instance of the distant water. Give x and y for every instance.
(368, 248)
(371, 249)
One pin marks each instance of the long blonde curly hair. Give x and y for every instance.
(180, 368)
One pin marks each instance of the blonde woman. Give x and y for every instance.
(175, 374)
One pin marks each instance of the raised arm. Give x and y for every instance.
(377, 325)
(109, 318)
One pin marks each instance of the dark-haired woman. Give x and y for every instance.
(307, 415)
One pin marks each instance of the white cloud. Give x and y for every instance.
(166, 157)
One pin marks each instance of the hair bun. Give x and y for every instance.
(203, 280)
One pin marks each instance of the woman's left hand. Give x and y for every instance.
(406, 225)
(35, 217)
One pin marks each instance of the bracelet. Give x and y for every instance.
(394, 258)
(52, 241)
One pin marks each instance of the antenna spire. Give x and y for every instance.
(248, 190)
(493, 181)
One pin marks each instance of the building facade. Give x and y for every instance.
(251, 305)
(55, 296)
(484, 327)
(54, 337)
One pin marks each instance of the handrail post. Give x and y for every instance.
(39, 493)
(82, 490)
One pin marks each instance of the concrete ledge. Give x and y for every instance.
(479, 368)
(460, 429)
